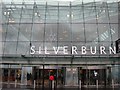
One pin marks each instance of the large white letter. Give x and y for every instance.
(102, 50)
(65, 49)
(83, 50)
(74, 50)
(39, 50)
(91, 50)
(32, 50)
(46, 51)
(112, 51)
(56, 49)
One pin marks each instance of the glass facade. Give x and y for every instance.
(74, 41)
(88, 24)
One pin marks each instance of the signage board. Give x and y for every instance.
(118, 46)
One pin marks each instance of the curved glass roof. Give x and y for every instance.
(54, 2)
(58, 24)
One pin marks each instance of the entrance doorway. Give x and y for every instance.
(91, 76)
(42, 76)
(71, 76)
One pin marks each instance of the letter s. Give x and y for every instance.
(32, 50)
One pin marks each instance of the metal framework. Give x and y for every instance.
(89, 24)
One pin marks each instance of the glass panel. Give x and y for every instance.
(4, 29)
(78, 32)
(39, 15)
(71, 76)
(64, 32)
(113, 13)
(10, 48)
(102, 15)
(4, 14)
(27, 15)
(88, 1)
(23, 48)
(12, 32)
(114, 31)
(5, 75)
(51, 32)
(77, 14)
(12, 75)
(38, 32)
(91, 32)
(90, 14)
(112, 3)
(64, 14)
(104, 32)
(52, 14)
(25, 32)
(116, 73)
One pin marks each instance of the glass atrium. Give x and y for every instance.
(45, 24)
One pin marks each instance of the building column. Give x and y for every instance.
(23, 76)
(108, 78)
(64, 75)
(15, 74)
(1, 78)
(8, 78)
(43, 78)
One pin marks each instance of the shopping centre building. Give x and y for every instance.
(76, 41)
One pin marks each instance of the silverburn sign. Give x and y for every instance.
(64, 50)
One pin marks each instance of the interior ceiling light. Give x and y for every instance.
(5, 13)
(68, 15)
(35, 14)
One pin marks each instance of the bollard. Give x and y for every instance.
(25, 81)
(112, 83)
(96, 83)
(34, 83)
(15, 83)
(52, 84)
(80, 84)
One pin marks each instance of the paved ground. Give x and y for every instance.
(63, 89)
(26, 87)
